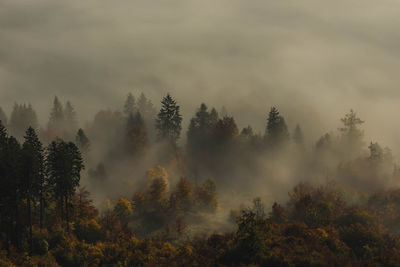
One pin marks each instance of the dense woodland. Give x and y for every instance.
(128, 189)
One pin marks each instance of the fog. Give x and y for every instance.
(312, 59)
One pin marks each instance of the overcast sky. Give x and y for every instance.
(313, 59)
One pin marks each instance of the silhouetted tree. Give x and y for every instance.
(135, 120)
(70, 121)
(64, 164)
(298, 137)
(224, 131)
(352, 136)
(276, 131)
(3, 117)
(55, 126)
(82, 141)
(199, 130)
(169, 121)
(32, 182)
(22, 117)
(130, 105)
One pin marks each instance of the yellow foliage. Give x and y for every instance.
(157, 172)
(123, 208)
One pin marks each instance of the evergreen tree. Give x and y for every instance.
(169, 120)
(64, 164)
(32, 182)
(22, 117)
(224, 131)
(352, 136)
(146, 108)
(82, 141)
(199, 129)
(70, 124)
(214, 117)
(55, 126)
(298, 137)
(3, 117)
(10, 195)
(135, 120)
(276, 131)
(129, 106)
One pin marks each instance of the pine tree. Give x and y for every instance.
(276, 131)
(214, 117)
(352, 136)
(199, 129)
(70, 120)
(129, 106)
(22, 117)
(298, 137)
(64, 164)
(146, 108)
(169, 121)
(82, 141)
(32, 182)
(55, 126)
(3, 117)
(135, 120)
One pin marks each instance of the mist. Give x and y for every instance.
(314, 60)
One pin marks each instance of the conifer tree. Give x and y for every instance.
(82, 141)
(64, 164)
(169, 120)
(146, 108)
(3, 117)
(298, 137)
(199, 129)
(22, 117)
(129, 106)
(55, 126)
(32, 178)
(70, 120)
(352, 136)
(276, 131)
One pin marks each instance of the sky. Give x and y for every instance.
(313, 59)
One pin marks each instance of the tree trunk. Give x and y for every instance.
(66, 212)
(41, 210)
(30, 225)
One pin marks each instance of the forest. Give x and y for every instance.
(133, 188)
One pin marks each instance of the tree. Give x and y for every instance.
(199, 129)
(64, 164)
(22, 117)
(298, 137)
(214, 117)
(32, 182)
(135, 120)
(182, 197)
(352, 136)
(123, 209)
(276, 131)
(224, 131)
(55, 126)
(206, 195)
(3, 117)
(10, 195)
(82, 141)
(169, 121)
(70, 124)
(146, 108)
(129, 106)
(136, 141)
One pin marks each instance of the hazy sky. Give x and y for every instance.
(313, 59)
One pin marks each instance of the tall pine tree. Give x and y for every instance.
(169, 119)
